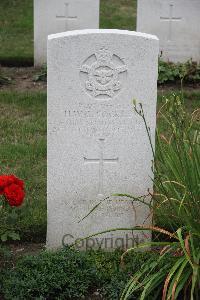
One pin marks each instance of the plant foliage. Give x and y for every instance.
(171, 72)
(70, 274)
(4, 80)
(176, 203)
(42, 75)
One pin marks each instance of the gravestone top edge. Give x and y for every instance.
(102, 31)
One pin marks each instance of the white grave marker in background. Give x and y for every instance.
(53, 16)
(177, 25)
(97, 144)
(66, 17)
(170, 19)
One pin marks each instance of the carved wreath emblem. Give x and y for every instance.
(103, 70)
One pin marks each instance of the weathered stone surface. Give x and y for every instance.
(97, 144)
(53, 16)
(177, 25)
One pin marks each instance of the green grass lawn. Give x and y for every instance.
(16, 26)
(120, 14)
(23, 152)
(16, 32)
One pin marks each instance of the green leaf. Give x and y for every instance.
(4, 237)
(14, 236)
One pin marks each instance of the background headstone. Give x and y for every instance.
(97, 144)
(53, 16)
(177, 25)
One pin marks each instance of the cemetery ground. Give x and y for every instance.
(23, 152)
(69, 274)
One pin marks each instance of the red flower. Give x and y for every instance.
(13, 189)
(5, 180)
(17, 181)
(14, 194)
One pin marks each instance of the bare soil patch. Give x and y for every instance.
(22, 79)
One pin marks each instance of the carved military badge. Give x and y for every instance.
(104, 74)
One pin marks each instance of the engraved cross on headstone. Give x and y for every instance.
(66, 17)
(101, 161)
(170, 19)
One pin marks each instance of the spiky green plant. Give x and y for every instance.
(177, 205)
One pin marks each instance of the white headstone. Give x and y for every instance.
(97, 144)
(53, 16)
(177, 25)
